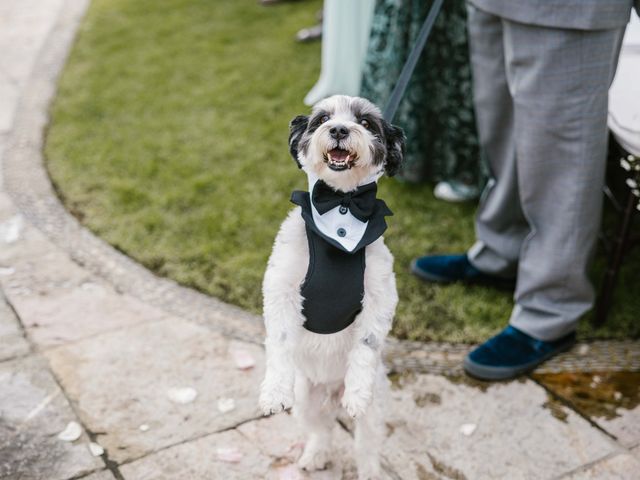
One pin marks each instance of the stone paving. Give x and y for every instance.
(146, 368)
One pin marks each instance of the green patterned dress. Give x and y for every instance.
(436, 112)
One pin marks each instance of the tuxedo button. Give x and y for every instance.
(341, 232)
(343, 210)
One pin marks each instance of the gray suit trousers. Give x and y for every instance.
(541, 107)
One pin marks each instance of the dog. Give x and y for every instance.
(326, 325)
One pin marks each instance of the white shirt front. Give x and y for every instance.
(344, 228)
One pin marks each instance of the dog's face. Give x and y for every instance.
(345, 141)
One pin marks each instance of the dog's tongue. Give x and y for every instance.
(339, 154)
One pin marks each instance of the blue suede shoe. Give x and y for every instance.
(512, 353)
(455, 268)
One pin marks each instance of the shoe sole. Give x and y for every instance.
(431, 278)
(484, 372)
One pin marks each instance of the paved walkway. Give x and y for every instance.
(149, 370)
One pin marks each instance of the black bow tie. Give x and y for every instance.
(361, 202)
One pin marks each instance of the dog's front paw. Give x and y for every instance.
(371, 475)
(355, 402)
(314, 459)
(275, 399)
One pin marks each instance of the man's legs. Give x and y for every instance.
(559, 81)
(500, 224)
(544, 209)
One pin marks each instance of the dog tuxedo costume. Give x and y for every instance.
(329, 291)
(338, 226)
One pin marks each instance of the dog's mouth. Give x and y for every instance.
(339, 159)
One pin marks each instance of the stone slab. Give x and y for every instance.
(269, 449)
(618, 467)
(56, 299)
(12, 341)
(610, 399)
(197, 460)
(69, 314)
(33, 410)
(516, 426)
(119, 381)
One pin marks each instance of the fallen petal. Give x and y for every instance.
(226, 404)
(71, 433)
(243, 359)
(144, 427)
(296, 447)
(583, 350)
(230, 454)
(182, 395)
(467, 429)
(10, 230)
(290, 472)
(95, 449)
(5, 271)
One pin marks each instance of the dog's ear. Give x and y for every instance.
(395, 139)
(296, 128)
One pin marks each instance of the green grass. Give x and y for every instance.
(169, 140)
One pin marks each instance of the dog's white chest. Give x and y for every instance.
(323, 358)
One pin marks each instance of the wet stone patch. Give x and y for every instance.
(479, 430)
(617, 467)
(610, 399)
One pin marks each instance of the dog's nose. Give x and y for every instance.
(338, 132)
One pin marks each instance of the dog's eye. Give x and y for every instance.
(324, 118)
(365, 123)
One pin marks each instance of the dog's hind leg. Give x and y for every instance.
(370, 432)
(316, 410)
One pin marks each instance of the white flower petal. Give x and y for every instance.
(10, 230)
(583, 350)
(243, 359)
(467, 429)
(229, 454)
(226, 404)
(5, 271)
(290, 472)
(71, 433)
(182, 395)
(95, 449)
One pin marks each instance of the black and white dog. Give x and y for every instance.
(329, 288)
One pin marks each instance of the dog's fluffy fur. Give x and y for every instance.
(320, 372)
